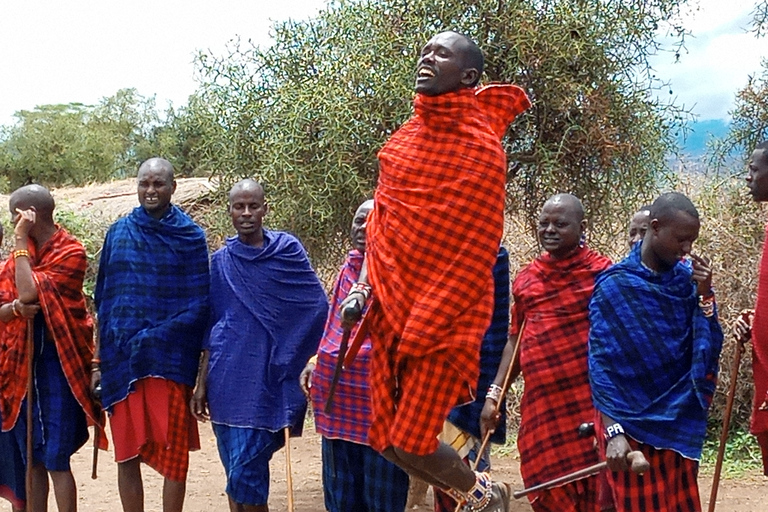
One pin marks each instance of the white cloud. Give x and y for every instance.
(721, 54)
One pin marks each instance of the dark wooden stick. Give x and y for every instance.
(96, 442)
(30, 392)
(502, 400)
(726, 425)
(638, 463)
(337, 371)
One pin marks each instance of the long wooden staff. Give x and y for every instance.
(30, 392)
(288, 473)
(726, 425)
(637, 460)
(502, 400)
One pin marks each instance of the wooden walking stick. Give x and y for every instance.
(637, 461)
(30, 416)
(96, 433)
(726, 424)
(502, 400)
(288, 476)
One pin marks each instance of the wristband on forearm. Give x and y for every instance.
(614, 430)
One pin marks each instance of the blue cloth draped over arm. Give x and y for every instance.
(653, 355)
(152, 300)
(268, 313)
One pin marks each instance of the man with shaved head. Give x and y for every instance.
(152, 303)
(267, 314)
(432, 242)
(355, 476)
(42, 280)
(654, 345)
(551, 298)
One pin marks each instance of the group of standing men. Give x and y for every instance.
(631, 347)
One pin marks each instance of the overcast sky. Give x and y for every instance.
(62, 51)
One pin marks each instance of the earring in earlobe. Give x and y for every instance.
(583, 240)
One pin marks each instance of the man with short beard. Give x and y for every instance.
(152, 303)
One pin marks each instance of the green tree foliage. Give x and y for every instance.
(75, 144)
(308, 114)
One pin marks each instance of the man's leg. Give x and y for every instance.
(239, 507)
(38, 501)
(173, 495)
(65, 490)
(444, 466)
(130, 486)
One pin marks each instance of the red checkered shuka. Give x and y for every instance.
(432, 240)
(58, 269)
(670, 484)
(759, 422)
(434, 232)
(553, 298)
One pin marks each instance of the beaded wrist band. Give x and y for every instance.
(14, 307)
(20, 253)
(707, 304)
(494, 393)
(362, 288)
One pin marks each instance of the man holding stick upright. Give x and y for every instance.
(654, 345)
(152, 303)
(355, 477)
(754, 323)
(267, 314)
(432, 241)
(43, 280)
(551, 299)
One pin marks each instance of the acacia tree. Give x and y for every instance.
(75, 144)
(308, 114)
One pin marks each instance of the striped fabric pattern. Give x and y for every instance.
(552, 296)
(356, 478)
(432, 240)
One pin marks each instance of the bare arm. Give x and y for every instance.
(25, 283)
(198, 404)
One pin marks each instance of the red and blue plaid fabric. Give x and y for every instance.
(350, 417)
(670, 485)
(58, 269)
(245, 453)
(356, 478)
(155, 423)
(653, 355)
(759, 422)
(552, 296)
(432, 240)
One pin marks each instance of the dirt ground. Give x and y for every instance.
(206, 483)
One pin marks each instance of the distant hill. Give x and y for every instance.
(700, 133)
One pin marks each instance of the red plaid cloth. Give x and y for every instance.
(411, 396)
(759, 423)
(434, 233)
(578, 496)
(58, 269)
(670, 485)
(350, 417)
(154, 422)
(553, 297)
